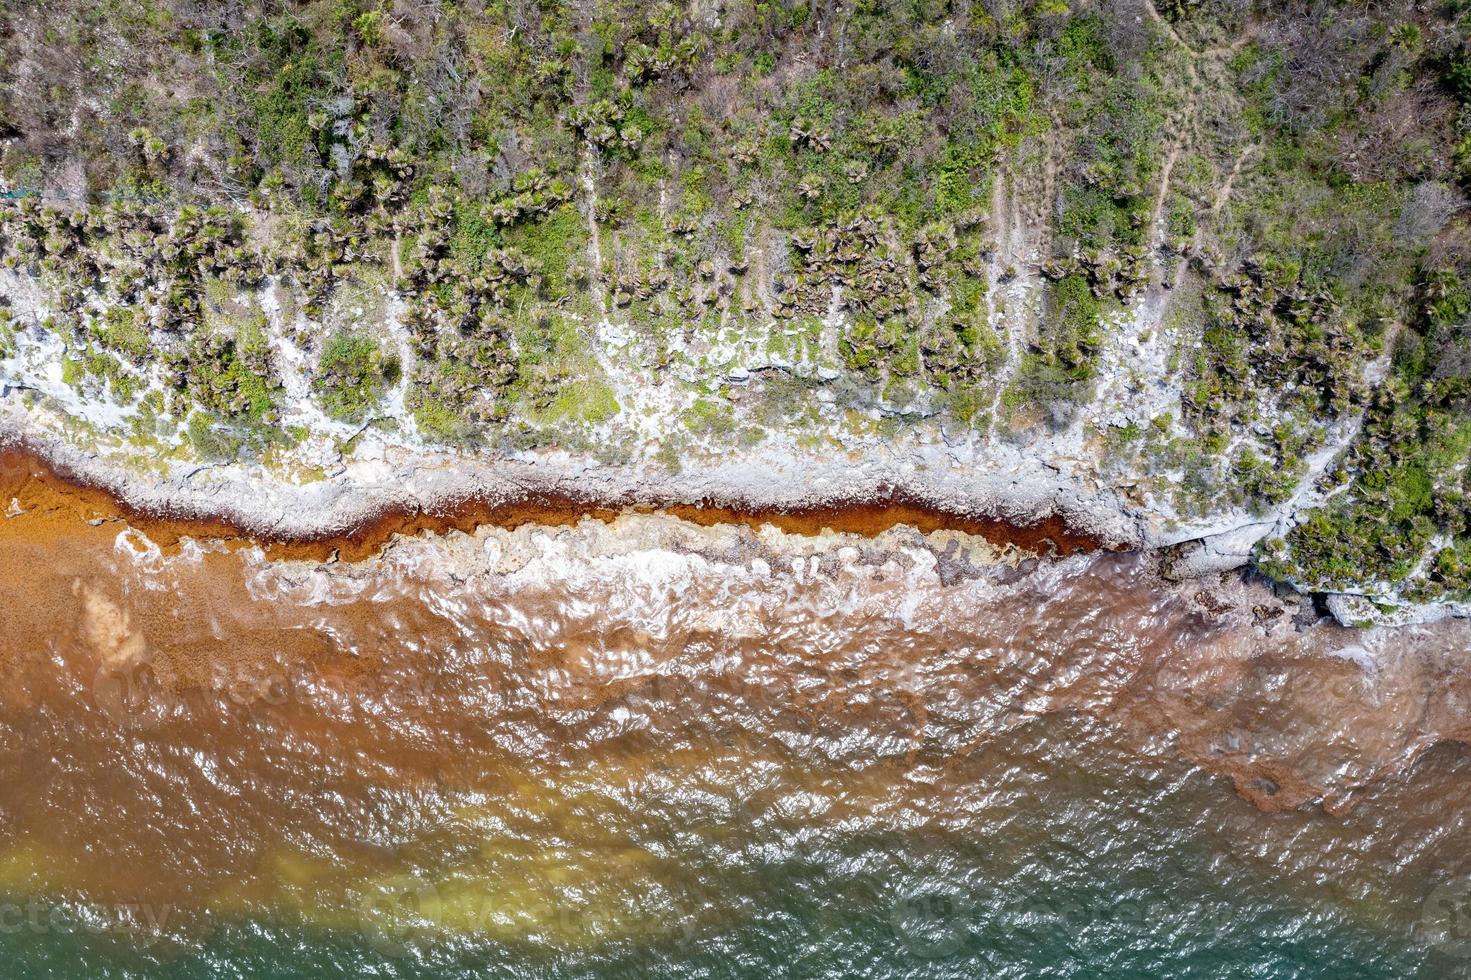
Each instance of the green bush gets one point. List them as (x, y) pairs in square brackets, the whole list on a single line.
[(353, 374)]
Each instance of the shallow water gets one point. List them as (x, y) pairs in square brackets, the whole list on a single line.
[(650, 748)]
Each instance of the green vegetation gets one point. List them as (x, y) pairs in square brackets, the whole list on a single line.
[(1057, 373), (122, 332), (1400, 517), (710, 417), (959, 208), (590, 401), (353, 375)]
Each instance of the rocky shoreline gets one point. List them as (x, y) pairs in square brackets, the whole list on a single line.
[(386, 489), (409, 487)]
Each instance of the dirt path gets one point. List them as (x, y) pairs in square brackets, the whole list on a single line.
[(1218, 204), (1174, 35), (594, 246)]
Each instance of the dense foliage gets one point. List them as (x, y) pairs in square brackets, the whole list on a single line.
[(1287, 176)]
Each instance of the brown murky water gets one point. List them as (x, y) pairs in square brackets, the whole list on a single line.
[(644, 746)]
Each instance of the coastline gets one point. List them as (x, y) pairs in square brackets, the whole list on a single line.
[(354, 520), (386, 488), (1249, 682)]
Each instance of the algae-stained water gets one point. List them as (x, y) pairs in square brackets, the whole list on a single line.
[(651, 749)]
